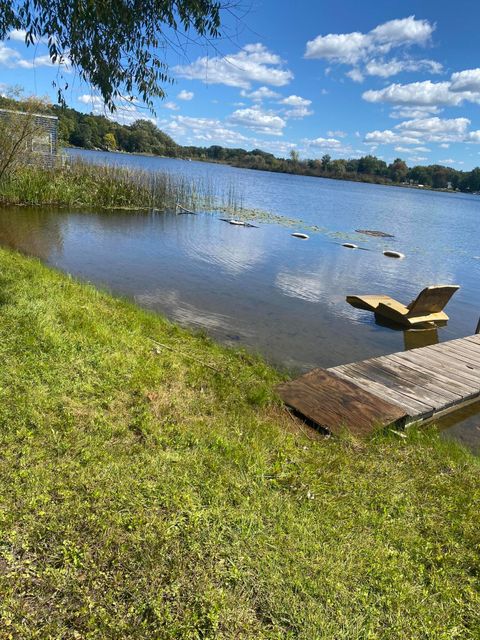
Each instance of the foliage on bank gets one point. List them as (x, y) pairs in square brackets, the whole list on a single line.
[(152, 487), (90, 131)]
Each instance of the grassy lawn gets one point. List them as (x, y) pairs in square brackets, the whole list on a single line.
[(146, 495)]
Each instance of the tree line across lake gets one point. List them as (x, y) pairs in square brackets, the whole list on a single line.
[(89, 131)]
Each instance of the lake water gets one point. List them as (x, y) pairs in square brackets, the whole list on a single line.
[(261, 288)]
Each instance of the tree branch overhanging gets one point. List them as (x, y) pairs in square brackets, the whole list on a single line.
[(112, 44)]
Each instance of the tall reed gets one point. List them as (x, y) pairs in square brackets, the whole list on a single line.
[(85, 185)]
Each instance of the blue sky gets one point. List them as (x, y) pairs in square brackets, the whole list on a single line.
[(346, 78)]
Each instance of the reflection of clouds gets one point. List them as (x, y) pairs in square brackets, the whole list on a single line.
[(200, 237), (186, 313), (330, 279), (305, 286), (233, 249), (414, 270)]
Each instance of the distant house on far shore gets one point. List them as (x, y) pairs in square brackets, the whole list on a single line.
[(42, 138)]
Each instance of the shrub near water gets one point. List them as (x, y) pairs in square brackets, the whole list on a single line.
[(102, 186), (156, 490)]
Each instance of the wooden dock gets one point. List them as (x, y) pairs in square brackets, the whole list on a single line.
[(398, 389)]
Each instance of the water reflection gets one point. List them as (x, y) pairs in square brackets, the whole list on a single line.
[(274, 294), (463, 426), (190, 315), (231, 248), (306, 286), (34, 231), (281, 297), (415, 338)]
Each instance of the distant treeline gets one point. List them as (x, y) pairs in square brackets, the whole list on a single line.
[(366, 169), (98, 132)]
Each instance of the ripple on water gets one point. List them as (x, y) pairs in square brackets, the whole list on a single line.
[(233, 250)]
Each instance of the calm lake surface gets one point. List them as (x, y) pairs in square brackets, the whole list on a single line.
[(260, 287)]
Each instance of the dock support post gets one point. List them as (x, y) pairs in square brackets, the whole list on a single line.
[(477, 330)]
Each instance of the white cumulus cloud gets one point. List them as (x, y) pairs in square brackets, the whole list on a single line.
[(414, 112), (207, 131), (435, 126), (389, 137), (356, 75), (332, 145), (420, 130), (299, 107), (463, 86), (296, 101), (12, 59), (173, 106), (262, 93), (346, 48), (18, 35), (416, 93), (91, 100), (127, 111), (387, 68), (405, 31), (412, 149), (366, 52), (298, 112), (8, 56), (254, 118), (337, 134), (467, 80), (254, 63), (325, 143), (185, 95)]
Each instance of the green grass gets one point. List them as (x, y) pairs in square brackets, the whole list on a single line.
[(145, 495)]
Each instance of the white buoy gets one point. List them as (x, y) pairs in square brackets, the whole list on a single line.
[(393, 254), (239, 223), (303, 236), (350, 245)]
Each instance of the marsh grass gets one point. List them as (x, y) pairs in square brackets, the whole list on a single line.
[(85, 185), (146, 495), (91, 187)]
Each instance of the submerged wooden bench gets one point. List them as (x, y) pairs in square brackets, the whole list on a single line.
[(400, 388)]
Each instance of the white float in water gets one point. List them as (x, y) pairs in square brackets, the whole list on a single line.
[(239, 223), (393, 254), (350, 245), (303, 236)]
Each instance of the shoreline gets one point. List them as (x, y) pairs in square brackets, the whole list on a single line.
[(153, 486), (306, 175)]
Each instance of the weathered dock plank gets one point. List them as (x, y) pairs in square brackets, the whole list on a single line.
[(417, 385), (335, 404), (431, 374), (361, 374)]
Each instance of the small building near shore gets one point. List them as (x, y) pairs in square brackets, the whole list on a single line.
[(41, 142)]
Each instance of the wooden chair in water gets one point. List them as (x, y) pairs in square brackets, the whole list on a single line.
[(427, 307)]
